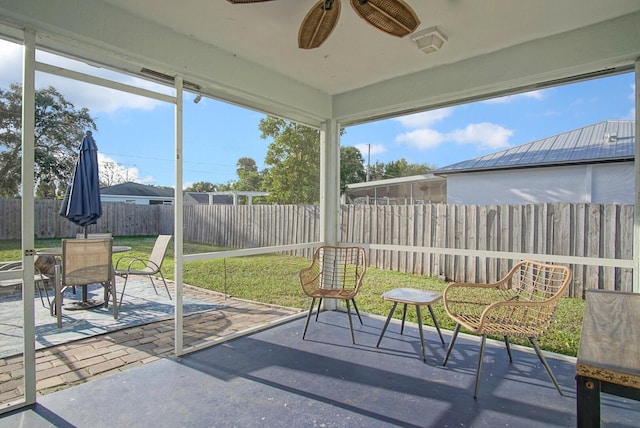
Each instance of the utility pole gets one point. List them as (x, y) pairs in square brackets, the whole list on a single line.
[(368, 162)]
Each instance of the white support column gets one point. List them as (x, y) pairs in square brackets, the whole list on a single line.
[(28, 244), (329, 189), (178, 236), (636, 211), (329, 182)]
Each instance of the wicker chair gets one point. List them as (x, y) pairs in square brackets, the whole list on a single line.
[(521, 304), (85, 261), (335, 273)]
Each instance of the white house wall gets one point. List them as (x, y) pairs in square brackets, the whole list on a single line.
[(600, 183), (613, 183)]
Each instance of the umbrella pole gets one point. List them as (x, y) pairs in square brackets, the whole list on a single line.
[(85, 232)]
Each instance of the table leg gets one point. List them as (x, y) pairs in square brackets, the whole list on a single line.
[(588, 402), (404, 315), (424, 358), (386, 324)]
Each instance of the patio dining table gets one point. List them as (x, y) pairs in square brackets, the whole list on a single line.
[(85, 303)]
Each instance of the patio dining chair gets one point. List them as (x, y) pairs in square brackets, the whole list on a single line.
[(84, 262), (334, 273), (127, 266), (521, 304), (41, 280)]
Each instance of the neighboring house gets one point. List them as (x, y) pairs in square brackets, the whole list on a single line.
[(136, 193), (593, 164), (141, 194)]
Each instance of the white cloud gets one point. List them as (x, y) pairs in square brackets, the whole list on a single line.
[(421, 139), (96, 98), (376, 149), (632, 94), (10, 60), (424, 119), (536, 95), (120, 172), (482, 135)]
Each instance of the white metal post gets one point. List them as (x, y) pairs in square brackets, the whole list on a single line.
[(329, 189), (329, 182), (28, 244), (178, 236), (636, 212)]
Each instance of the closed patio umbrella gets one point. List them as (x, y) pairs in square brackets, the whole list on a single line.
[(81, 203)]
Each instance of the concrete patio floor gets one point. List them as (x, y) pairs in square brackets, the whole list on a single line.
[(273, 378)]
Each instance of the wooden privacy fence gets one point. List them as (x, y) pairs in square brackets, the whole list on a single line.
[(561, 229), (118, 218)]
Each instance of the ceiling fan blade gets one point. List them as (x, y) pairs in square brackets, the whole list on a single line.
[(394, 17), (318, 24), (246, 1)]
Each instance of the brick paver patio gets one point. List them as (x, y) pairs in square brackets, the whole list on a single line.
[(69, 364)]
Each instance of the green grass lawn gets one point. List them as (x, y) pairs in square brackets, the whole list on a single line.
[(274, 279)]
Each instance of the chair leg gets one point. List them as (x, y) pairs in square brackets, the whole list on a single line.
[(154, 284), (114, 296), (357, 311), (506, 344), (126, 278), (58, 298), (453, 340), (165, 285), (313, 301), (544, 363), (386, 324), (318, 310), (353, 337), (480, 358)]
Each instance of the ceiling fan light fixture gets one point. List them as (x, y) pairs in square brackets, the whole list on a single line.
[(429, 40)]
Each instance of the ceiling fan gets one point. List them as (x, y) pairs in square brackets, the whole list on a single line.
[(394, 17)]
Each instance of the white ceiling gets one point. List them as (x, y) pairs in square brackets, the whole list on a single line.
[(247, 54), (356, 54)]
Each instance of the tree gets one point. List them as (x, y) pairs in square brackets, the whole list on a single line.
[(376, 171), (402, 168), (351, 167), (59, 128), (249, 179), (201, 186), (112, 173), (294, 160)]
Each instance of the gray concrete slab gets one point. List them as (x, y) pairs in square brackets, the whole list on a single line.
[(273, 378)]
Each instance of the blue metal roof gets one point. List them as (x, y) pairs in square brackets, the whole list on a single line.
[(612, 140)]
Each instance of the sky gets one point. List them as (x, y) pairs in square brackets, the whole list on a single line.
[(137, 133)]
